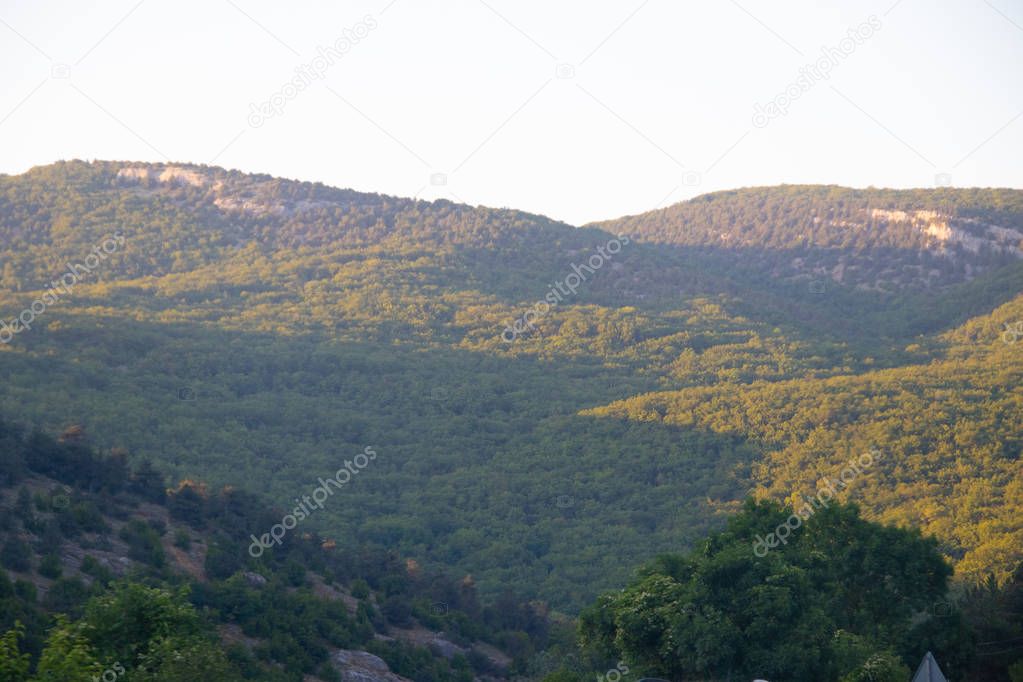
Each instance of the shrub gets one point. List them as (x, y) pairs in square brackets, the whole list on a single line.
[(50, 566), (182, 540), (143, 543), (16, 555), (360, 588)]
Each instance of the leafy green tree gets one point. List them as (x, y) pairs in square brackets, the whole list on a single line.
[(815, 607), (66, 595), (882, 667), (16, 555), (143, 543), (125, 623), (14, 665), (856, 654), (563, 676), (184, 660), (68, 656), (147, 482), (50, 566)]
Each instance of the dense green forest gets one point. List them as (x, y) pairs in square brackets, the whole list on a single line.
[(255, 332), (950, 432), (103, 568), (251, 331), (105, 573)]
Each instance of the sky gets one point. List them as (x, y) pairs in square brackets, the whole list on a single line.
[(577, 110)]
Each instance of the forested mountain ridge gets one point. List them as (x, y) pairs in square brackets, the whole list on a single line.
[(197, 215), (252, 330), (918, 238), (880, 240), (775, 250)]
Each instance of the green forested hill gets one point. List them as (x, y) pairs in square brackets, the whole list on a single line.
[(950, 435), (872, 239), (104, 573), (252, 330)]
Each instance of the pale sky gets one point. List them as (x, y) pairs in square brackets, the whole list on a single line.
[(577, 110)]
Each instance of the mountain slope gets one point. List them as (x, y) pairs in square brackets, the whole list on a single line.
[(251, 330), (874, 240), (79, 529), (946, 437)]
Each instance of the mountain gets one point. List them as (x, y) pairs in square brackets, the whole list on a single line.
[(936, 256), (104, 569), (552, 405), (946, 435), (871, 240)]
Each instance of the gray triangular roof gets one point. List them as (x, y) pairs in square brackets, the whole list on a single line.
[(929, 671)]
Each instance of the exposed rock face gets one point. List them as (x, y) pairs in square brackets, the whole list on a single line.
[(254, 579), (169, 175), (361, 666), (183, 176), (945, 231), (137, 173), (242, 200), (445, 648), (429, 639)]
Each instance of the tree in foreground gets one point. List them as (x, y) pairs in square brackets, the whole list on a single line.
[(149, 634), (833, 597)]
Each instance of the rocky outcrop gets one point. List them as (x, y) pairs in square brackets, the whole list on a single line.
[(169, 175), (945, 231), (361, 666), (247, 199)]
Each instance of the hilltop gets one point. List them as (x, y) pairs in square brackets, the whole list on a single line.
[(251, 330)]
